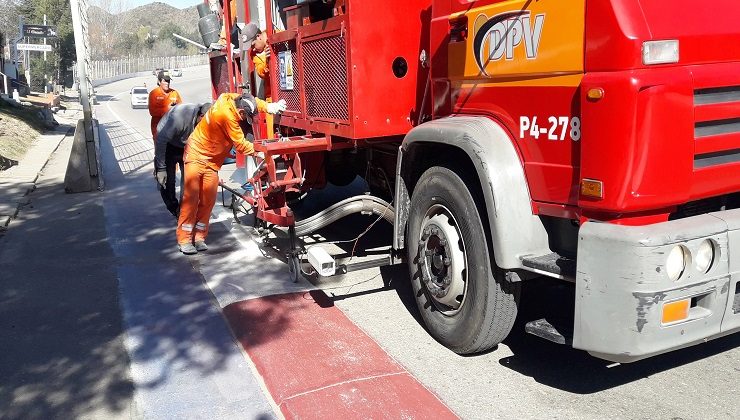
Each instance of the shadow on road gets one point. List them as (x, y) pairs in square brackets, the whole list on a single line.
[(60, 325), (576, 371)]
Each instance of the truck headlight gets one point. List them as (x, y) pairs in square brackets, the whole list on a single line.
[(705, 256), (675, 264), (660, 52)]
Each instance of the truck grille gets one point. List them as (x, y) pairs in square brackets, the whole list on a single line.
[(325, 78), (291, 96), (717, 126)]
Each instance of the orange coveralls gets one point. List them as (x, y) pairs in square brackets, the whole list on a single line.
[(159, 103), (263, 71), (207, 147), (232, 14)]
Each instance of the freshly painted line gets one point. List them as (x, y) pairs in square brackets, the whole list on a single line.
[(317, 363), (369, 378)]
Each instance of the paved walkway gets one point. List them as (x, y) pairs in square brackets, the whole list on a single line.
[(101, 317), (60, 324), (95, 323)]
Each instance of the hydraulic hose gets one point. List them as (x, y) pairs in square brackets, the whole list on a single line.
[(357, 204)]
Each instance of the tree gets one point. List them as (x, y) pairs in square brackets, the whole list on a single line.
[(9, 12), (58, 14), (166, 32), (106, 27)]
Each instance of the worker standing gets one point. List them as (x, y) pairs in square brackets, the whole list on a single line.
[(206, 149), (161, 99), (172, 135), (259, 50)]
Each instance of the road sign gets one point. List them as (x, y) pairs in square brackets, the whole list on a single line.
[(33, 47), (39, 31)]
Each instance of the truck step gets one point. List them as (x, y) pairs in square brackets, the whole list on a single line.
[(553, 263), (561, 333)]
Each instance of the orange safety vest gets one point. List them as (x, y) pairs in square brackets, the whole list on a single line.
[(160, 102), (263, 71), (217, 132)]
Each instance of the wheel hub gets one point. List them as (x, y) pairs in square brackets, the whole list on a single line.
[(442, 259)]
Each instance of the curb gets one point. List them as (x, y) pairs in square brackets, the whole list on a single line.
[(19, 181)]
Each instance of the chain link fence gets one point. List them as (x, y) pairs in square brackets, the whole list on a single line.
[(105, 69)]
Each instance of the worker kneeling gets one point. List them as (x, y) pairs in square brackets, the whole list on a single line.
[(173, 132), (206, 149)]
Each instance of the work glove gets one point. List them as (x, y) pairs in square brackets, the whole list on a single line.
[(161, 178), (277, 107)]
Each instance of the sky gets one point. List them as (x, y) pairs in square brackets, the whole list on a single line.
[(180, 4)]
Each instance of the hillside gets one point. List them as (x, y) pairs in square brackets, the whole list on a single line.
[(155, 15)]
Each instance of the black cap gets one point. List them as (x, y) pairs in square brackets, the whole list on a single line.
[(163, 75), (247, 103), (204, 108)]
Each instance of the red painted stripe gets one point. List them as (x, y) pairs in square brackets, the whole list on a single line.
[(317, 363)]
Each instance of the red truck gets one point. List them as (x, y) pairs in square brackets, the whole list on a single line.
[(590, 141)]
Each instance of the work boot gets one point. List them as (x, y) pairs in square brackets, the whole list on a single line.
[(187, 249), (201, 246)]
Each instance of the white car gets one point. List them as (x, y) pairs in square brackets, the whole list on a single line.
[(139, 97), (176, 73)]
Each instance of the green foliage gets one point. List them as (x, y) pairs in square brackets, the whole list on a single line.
[(143, 33), (166, 34), (58, 14), (42, 72)]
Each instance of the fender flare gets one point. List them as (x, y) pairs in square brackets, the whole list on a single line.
[(515, 231)]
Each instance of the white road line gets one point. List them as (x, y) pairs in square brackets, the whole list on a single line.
[(121, 120)]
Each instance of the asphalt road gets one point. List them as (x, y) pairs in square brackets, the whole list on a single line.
[(525, 377)]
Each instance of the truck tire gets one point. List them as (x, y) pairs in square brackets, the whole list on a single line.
[(464, 298)]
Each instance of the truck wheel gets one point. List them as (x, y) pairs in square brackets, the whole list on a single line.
[(464, 299)]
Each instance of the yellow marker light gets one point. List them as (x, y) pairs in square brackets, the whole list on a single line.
[(592, 188), (595, 94), (676, 311)]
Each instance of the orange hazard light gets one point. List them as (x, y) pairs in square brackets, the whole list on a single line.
[(595, 94), (592, 188), (676, 311)]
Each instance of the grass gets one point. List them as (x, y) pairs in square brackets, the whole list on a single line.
[(19, 128)]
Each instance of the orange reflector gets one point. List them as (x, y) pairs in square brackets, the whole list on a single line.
[(592, 188), (595, 93), (676, 311)]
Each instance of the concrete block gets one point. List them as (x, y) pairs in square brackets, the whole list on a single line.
[(83, 167)]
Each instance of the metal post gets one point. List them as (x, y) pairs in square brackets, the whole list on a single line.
[(44, 38)]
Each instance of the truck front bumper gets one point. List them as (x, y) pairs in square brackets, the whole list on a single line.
[(622, 286)]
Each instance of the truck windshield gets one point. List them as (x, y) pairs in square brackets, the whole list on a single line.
[(140, 91)]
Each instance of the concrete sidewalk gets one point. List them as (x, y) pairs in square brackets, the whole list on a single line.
[(60, 324), (100, 317), (18, 181)]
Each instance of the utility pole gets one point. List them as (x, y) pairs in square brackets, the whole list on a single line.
[(46, 76)]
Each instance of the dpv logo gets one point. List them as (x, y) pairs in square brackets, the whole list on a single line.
[(500, 35)]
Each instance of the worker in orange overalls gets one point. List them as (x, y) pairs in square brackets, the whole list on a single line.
[(259, 50), (207, 147), (161, 99), (234, 30)]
